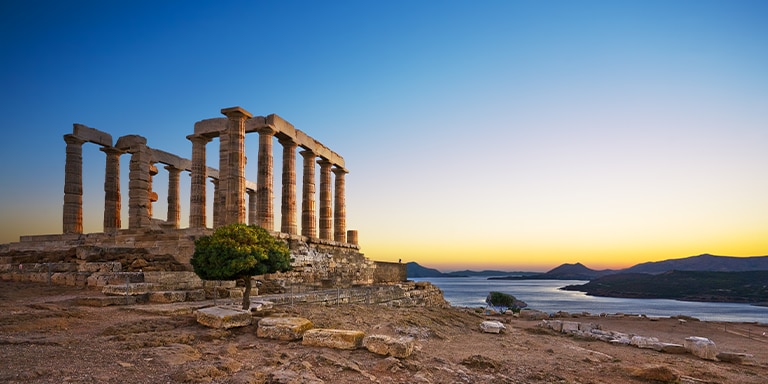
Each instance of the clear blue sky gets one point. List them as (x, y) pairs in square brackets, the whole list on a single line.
[(515, 134)]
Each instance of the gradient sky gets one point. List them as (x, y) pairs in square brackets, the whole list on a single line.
[(495, 134)]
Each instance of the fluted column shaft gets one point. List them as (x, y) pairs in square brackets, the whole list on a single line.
[(112, 199), (216, 203), (308, 216), (326, 218), (139, 188), (197, 196), (251, 206), (73, 185), (174, 203), (265, 214), (339, 207), (288, 200), (232, 174)]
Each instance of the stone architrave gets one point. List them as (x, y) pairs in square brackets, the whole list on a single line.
[(264, 180), (73, 185), (308, 216), (339, 207), (232, 173), (288, 202), (112, 199), (326, 217), (174, 203), (197, 198)]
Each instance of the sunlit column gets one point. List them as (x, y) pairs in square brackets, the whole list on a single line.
[(251, 206), (112, 199), (73, 185), (216, 203), (197, 198), (288, 203), (339, 207), (326, 218), (264, 180), (233, 178), (308, 215), (152, 194), (174, 203), (139, 187)]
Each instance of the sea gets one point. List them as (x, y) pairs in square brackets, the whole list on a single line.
[(545, 295)]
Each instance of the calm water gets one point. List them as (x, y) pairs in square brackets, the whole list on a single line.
[(544, 295)]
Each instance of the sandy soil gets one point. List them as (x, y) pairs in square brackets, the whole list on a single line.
[(46, 338)]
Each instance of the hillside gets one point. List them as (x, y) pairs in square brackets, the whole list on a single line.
[(703, 262), (734, 287)]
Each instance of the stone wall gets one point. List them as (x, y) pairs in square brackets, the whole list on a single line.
[(386, 272)]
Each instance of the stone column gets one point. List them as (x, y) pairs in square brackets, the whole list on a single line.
[(251, 206), (112, 200), (308, 216), (73, 185), (197, 198), (265, 215), (288, 203), (174, 203), (152, 195), (352, 236), (339, 207), (216, 204), (326, 218), (139, 184), (232, 174)]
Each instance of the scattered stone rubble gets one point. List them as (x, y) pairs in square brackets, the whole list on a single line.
[(700, 347), (299, 328)]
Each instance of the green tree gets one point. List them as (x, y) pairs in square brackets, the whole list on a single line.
[(239, 251), (503, 301)]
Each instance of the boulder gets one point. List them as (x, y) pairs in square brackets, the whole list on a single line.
[(646, 342), (333, 338), (283, 328), (737, 358), (677, 349), (492, 327), (218, 317), (400, 347), (701, 347), (570, 327)]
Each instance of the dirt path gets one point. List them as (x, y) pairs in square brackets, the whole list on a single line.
[(45, 338)]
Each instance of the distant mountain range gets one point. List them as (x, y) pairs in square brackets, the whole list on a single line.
[(579, 271)]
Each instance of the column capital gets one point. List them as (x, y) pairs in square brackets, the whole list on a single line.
[(236, 113), (266, 130), (111, 151), (72, 139), (307, 153), (204, 139), (324, 162), (287, 142), (339, 170), (172, 168)]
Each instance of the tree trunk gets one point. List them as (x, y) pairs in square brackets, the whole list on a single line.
[(247, 293)]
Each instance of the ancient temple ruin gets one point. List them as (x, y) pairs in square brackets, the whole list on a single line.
[(325, 253)]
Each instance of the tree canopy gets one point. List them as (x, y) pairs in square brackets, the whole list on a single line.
[(504, 301), (239, 251)]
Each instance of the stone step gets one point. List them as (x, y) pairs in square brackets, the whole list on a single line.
[(176, 296)]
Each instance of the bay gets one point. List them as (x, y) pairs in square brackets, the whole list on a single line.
[(544, 295)]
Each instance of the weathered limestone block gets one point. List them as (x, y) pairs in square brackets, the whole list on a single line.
[(737, 358), (196, 295), (167, 296), (127, 289), (673, 348), (556, 325), (570, 327), (701, 347), (283, 328), (100, 267), (400, 347), (533, 314), (333, 338), (492, 327), (646, 342), (588, 327), (218, 317)]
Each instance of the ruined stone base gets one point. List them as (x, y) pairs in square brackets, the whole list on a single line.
[(283, 328), (386, 345), (333, 338), (218, 317)]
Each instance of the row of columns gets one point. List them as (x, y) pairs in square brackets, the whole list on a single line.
[(230, 191), (229, 188)]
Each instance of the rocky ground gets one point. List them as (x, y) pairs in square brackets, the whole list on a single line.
[(46, 338)]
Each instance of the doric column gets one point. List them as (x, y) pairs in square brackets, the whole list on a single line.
[(288, 203), (326, 218), (232, 174), (352, 236), (174, 203), (73, 185), (112, 189), (152, 194), (197, 198), (265, 215), (216, 204), (339, 207), (308, 216), (139, 184), (251, 206)]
